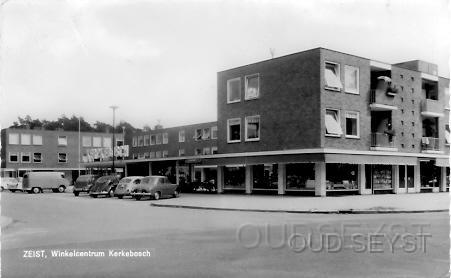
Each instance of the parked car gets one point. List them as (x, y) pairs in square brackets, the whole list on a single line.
[(156, 187), (36, 182), (104, 186), (126, 186), (84, 183), (11, 184)]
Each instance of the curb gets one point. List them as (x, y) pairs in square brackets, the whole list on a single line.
[(348, 211)]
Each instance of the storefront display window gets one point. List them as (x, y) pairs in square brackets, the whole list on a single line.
[(265, 176), (382, 177), (234, 177), (341, 176), (430, 174), (300, 176)]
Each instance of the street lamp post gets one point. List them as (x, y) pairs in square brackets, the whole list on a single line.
[(114, 107)]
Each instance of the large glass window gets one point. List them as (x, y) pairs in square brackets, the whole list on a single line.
[(37, 157), (234, 130), (165, 138), (25, 139), (206, 133), (62, 157), (341, 176), (253, 128), (62, 140), (214, 132), (146, 140), (332, 122), (382, 177), (159, 139), (13, 138), (86, 141), (234, 90), (25, 157), (352, 124), (234, 177), (198, 134), (107, 142), (265, 176), (252, 86), (351, 79), (140, 141), (182, 136), (97, 141), (430, 174), (332, 76), (37, 139), (135, 142), (300, 176), (13, 157), (153, 140)]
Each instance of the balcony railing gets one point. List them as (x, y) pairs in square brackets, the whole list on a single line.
[(382, 140), (430, 144), (432, 108), (381, 101)]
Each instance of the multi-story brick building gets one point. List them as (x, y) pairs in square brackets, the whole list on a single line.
[(319, 122), (26, 150)]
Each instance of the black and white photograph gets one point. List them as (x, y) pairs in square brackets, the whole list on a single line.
[(213, 138)]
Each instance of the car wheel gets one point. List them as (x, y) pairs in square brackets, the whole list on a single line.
[(61, 188), (137, 197), (36, 190), (120, 196), (176, 194), (111, 193), (76, 193), (157, 196)]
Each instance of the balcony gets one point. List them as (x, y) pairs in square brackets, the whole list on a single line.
[(382, 101), (383, 142), (432, 108), (430, 145)]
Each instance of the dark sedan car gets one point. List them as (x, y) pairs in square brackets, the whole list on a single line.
[(156, 187), (104, 186), (84, 183)]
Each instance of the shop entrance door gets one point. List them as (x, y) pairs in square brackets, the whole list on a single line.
[(410, 179), (402, 179)]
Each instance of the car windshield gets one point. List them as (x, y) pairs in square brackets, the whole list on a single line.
[(84, 178), (150, 180), (104, 179), (125, 180)]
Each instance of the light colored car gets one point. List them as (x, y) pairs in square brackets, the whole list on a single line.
[(156, 187), (11, 184), (36, 182), (126, 186)]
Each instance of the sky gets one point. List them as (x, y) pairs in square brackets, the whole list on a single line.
[(158, 60)]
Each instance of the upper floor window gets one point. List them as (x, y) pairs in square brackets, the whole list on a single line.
[(214, 150), (214, 132), (146, 140), (198, 134), (13, 157), (233, 130), (447, 134), (37, 157), (206, 151), (62, 157), (134, 141), (158, 154), (25, 157), (352, 124), (165, 138), (332, 76), (252, 128), (153, 139), (62, 140), (447, 97), (97, 141), (233, 90), (13, 138), (37, 139), (86, 141), (181, 136), (25, 139), (351, 79), (107, 142), (197, 151), (159, 139), (152, 154), (332, 121), (181, 152), (140, 141), (252, 86), (206, 133), (165, 153)]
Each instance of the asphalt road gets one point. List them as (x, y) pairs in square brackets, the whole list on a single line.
[(203, 243)]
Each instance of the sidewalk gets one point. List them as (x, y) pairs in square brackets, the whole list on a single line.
[(384, 203)]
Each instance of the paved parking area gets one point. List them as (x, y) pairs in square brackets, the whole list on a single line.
[(208, 243)]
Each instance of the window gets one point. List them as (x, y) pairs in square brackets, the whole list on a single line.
[(214, 132), (152, 154), (181, 152), (37, 157), (62, 140), (153, 140), (140, 141), (447, 133), (206, 133), (234, 90), (141, 156), (351, 79), (197, 151), (352, 124), (333, 126), (146, 140), (97, 141), (233, 130), (165, 138), (214, 150), (206, 151), (332, 76), (181, 136), (165, 153), (146, 155), (25, 139), (86, 141), (62, 158), (37, 139), (447, 98), (25, 157), (119, 142), (107, 142), (13, 157), (252, 86), (158, 154), (253, 128), (197, 134), (13, 139), (159, 137), (134, 142), (135, 156)]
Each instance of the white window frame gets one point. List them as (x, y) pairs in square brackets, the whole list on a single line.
[(206, 151), (14, 135), (134, 141), (154, 142), (158, 142), (37, 161), (22, 139), (36, 141), (106, 139), (158, 154), (15, 154), (352, 90), (358, 124), (339, 123), (165, 138), (165, 153), (151, 155), (140, 141), (99, 139), (58, 157), (146, 143), (181, 136), (83, 141), (246, 131), (214, 149), (58, 139), (214, 128), (197, 151), (228, 90), (206, 133), (228, 130), (181, 152), (196, 137), (338, 89), (246, 96)]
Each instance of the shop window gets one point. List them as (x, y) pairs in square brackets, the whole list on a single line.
[(86, 141), (214, 132), (352, 124), (206, 133), (332, 121), (146, 140), (159, 138), (158, 154), (37, 139), (214, 150), (37, 157), (25, 157), (181, 152), (234, 90), (107, 142), (25, 139), (13, 157), (181, 136), (265, 176), (62, 140), (233, 130), (332, 76), (252, 128), (13, 138), (341, 177), (252, 86), (197, 134), (234, 177), (153, 140), (430, 174), (62, 157), (300, 176), (165, 153), (382, 177), (351, 79), (97, 141), (134, 141), (206, 151)]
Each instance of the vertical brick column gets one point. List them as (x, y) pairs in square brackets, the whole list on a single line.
[(281, 178), (320, 179), (220, 179), (248, 179)]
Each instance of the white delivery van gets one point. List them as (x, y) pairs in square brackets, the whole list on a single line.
[(36, 182)]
